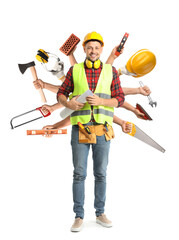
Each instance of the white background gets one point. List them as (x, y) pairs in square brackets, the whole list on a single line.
[(36, 172)]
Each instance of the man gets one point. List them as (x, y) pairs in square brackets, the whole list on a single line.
[(103, 81)]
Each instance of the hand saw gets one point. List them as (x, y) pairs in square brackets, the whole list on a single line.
[(138, 133), (46, 131), (39, 109)]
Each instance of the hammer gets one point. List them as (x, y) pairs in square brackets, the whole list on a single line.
[(23, 68)]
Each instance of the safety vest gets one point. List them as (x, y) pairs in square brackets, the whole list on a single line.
[(103, 90)]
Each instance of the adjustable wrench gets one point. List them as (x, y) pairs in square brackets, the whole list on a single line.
[(151, 102)]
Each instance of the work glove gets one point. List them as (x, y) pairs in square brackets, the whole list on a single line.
[(58, 69), (123, 70)]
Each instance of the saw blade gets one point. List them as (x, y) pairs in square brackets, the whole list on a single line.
[(139, 134)]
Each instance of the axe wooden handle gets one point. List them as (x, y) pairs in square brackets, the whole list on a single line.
[(34, 75)]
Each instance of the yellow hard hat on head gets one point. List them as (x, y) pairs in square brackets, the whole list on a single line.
[(93, 36), (141, 63)]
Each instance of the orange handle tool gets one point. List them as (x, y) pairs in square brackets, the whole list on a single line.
[(83, 130), (45, 115), (121, 45), (46, 131)]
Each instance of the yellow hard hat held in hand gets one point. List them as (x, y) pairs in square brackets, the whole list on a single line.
[(139, 64)]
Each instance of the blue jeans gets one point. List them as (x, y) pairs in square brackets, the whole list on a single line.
[(80, 151)]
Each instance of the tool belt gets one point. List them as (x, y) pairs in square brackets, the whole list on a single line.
[(96, 130)]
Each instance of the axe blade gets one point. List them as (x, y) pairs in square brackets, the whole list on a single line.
[(23, 67)]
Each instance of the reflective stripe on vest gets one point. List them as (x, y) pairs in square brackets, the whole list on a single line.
[(103, 90)]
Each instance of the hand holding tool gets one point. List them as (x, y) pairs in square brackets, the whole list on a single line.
[(82, 99), (151, 102), (138, 133), (47, 59), (121, 45), (39, 108), (69, 44), (146, 115), (47, 131), (23, 68), (139, 64)]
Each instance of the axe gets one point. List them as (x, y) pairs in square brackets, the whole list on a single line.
[(23, 68)]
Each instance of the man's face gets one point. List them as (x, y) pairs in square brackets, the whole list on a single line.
[(93, 50)]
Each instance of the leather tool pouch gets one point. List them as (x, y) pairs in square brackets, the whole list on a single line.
[(96, 130)]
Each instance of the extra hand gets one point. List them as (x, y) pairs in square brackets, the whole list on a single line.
[(114, 51), (144, 90), (48, 127), (126, 128), (139, 114), (47, 108), (113, 56), (74, 104), (38, 84), (94, 100)]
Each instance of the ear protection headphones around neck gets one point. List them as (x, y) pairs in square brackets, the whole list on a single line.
[(91, 64)]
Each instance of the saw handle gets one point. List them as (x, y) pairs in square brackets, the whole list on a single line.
[(133, 131), (45, 115), (34, 75)]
